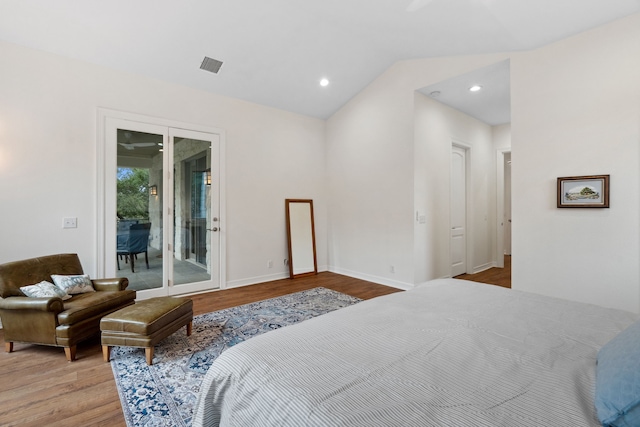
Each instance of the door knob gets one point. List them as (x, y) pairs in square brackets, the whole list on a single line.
[(213, 229)]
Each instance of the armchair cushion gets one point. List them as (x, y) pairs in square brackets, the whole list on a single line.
[(75, 284), (87, 305), (44, 289)]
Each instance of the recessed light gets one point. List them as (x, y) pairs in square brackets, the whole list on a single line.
[(324, 82), (475, 88)]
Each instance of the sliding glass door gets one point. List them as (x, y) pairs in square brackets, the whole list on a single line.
[(164, 187)]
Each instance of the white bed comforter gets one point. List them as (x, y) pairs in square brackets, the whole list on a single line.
[(451, 353)]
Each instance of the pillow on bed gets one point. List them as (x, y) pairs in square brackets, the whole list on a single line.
[(618, 379), (44, 289), (78, 284)]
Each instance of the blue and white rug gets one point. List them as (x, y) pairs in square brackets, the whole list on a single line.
[(165, 393)]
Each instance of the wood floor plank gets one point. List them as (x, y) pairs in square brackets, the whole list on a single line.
[(494, 276), (38, 387)]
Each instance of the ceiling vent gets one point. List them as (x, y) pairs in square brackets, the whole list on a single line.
[(210, 64)]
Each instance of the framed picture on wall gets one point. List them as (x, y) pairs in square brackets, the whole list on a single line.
[(583, 191)]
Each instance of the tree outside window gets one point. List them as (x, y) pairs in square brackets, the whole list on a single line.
[(133, 193)]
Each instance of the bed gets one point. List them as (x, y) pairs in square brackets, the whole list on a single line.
[(447, 353)]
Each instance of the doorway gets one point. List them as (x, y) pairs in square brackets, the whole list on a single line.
[(458, 209), (507, 204), (166, 180), (503, 208)]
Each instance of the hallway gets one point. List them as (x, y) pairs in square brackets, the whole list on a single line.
[(494, 276)]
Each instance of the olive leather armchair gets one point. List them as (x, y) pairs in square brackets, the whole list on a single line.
[(52, 321)]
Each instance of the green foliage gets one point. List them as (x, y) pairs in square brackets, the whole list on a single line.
[(586, 191), (133, 193)]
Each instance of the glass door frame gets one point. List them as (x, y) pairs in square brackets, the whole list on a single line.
[(169, 216), (106, 160)]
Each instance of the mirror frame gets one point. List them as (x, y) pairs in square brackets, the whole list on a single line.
[(288, 202)]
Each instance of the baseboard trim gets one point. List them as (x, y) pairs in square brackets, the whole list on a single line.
[(375, 279), (262, 279), (484, 267), (254, 280), (346, 272)]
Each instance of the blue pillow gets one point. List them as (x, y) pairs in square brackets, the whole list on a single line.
[(617, 398)]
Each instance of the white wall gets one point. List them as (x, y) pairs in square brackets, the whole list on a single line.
[(371, 184), (436, 127), (501, 135), (48, 110), (371, 175), (576, 111)]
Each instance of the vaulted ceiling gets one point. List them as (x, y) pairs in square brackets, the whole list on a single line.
[(275, 52)]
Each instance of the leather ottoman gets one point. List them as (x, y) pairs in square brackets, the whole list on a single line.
[(145, 323)]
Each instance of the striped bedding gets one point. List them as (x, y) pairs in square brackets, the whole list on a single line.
[(449, 353)]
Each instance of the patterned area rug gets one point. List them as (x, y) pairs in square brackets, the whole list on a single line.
[(165, 393)]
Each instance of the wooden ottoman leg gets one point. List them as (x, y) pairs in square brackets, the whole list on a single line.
[(189, 328), (148, 351), (106, 353), (8, 346)]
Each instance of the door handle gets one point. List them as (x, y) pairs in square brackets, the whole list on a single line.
[(215, 219)]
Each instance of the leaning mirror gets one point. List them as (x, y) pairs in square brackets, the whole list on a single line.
[(301, 237)]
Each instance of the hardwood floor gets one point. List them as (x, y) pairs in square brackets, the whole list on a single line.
[(38, 387), (494, 276)]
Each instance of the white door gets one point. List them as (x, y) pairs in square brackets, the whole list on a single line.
[(507, 204), (161, 216), (458, 211)]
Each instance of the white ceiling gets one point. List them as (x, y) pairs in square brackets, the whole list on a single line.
[(276, 51), (491, 104)]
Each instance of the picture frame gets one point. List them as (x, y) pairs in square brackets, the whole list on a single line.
[(590, 191)]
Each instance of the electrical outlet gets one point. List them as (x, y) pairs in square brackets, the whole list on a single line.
[(392, 269), (269, 264), (70, 223), (286, 261)]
